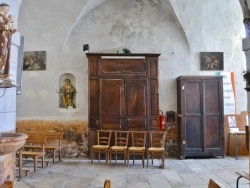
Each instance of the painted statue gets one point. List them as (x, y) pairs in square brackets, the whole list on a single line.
[(7, 28), (67, 91)]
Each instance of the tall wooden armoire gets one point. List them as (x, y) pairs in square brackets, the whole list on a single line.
[(200, 116), (123, 92)]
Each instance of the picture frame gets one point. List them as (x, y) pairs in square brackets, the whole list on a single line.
[(211, 61), (34, 60)]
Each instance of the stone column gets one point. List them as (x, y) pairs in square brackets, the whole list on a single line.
[(246, 47)]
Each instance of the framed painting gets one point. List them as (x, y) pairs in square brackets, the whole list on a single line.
[(34, 60), (211, 61)]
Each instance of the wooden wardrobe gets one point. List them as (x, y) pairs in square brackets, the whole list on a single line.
[(123, 92), (200, 116)]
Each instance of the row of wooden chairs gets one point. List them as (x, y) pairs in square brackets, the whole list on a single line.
[(136, 147)]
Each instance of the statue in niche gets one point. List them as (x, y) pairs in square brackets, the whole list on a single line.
[(7, 28), (67, 91), (246, 20)]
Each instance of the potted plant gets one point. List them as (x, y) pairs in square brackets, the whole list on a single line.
[(246, 77)]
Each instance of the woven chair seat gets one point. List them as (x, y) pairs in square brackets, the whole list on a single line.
[(118, 147), (136, 149), (100, 147), (156, 149)]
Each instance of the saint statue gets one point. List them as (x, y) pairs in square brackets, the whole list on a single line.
[(7, 28), (67, 91)]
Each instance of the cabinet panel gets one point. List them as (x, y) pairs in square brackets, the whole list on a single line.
[(136, 124), (154, 97), (136, 103), (112, 101), (112, 97), (153, 67), (212, 133), (94, 97), (112, 123), (136, 97), (193, 98), (212, 98), (93, 68), (123, 66), (193, 133)]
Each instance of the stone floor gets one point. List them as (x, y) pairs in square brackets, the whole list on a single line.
[(193, 173)]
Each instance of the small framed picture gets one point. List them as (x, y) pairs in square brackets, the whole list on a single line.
[(211, 61), (34, 61)]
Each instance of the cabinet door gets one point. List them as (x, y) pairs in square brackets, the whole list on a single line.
[(212, 107), (112, 109), (94, 104), (136, 104), (192, 143)]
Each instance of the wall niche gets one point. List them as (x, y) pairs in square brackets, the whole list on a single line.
[(67, 91)]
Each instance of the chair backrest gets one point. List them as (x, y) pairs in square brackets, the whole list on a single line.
[(121, 138), (103, 137), (232, 124), (157, 139), (138, 138), (213, 184), (107, 184)]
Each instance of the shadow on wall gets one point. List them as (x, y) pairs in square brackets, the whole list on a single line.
[(133, 30)]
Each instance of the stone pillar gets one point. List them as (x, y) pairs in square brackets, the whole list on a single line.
[(246, 48), (8, 102)]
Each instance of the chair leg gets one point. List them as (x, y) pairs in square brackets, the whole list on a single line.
[(147, 158), (43, 159), (59, 154), (35, 163), (163, 160), (106, 156), (125, 154), (54, 156), (92, 153), (143, 160), (128, 158), (110, 156)]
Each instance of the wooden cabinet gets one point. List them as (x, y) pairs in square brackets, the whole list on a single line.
[(123, 92), (200, 116)]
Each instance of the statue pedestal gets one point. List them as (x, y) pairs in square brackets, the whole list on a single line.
[(5, 82)]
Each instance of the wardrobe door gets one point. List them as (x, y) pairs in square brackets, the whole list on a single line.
[(212, 108), (112, 104), (136, 104), (192, 117)]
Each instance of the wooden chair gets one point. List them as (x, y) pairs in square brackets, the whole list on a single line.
[(53, 141), (103, 144), (138, 139), (213, 184), (107, 184), (121, 145), (8, 184), (157, 146), (38, 140)]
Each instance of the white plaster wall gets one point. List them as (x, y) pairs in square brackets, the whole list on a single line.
[(179, 30)]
